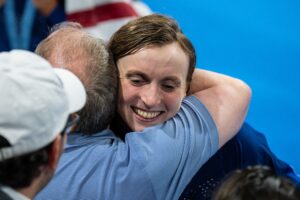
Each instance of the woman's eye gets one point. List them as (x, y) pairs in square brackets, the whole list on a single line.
[(136, 81), (168, 87)]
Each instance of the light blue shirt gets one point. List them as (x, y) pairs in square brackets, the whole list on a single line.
[(156, 163)]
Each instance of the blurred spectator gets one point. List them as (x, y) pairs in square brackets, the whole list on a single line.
[(24, 23), (257, 182), (36, 115)]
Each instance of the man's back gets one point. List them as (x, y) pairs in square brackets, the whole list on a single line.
[(154, 164), (93, 167)]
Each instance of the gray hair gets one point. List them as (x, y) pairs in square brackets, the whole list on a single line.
[(86, 56)]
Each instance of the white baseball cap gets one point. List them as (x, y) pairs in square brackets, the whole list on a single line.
[(36, 100)]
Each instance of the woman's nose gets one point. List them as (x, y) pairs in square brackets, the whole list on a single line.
[(151, 96)]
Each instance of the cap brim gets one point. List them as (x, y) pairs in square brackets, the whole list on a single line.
[(74, 89)]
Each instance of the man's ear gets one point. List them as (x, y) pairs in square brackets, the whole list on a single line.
[(55, 152)]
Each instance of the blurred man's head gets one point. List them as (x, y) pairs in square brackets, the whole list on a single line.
[(72, 48)]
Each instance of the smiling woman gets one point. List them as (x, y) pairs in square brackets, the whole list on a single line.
[(153, 84), (155, 70)]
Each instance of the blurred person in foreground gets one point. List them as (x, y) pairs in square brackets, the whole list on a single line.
[(257, 182), (37, 111)]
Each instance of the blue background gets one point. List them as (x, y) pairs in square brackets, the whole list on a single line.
[(257, 41)]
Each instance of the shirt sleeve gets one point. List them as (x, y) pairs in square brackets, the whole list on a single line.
[(171, 153)]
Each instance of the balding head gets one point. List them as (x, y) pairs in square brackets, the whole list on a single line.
[(72, 48), (66, 47)]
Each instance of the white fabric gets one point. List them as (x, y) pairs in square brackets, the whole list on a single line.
[(105, 29), (75, 5), (36, 101), (13, 193)]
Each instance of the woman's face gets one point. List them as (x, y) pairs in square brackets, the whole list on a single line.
[(152, 85)]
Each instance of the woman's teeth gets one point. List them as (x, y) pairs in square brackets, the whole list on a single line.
[(146, 114)]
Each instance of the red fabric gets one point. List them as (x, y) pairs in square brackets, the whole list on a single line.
[(102, 13)]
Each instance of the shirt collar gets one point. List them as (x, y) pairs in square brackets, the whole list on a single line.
[(13, 193)]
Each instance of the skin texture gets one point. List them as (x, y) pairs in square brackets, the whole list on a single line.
[(152, 85)]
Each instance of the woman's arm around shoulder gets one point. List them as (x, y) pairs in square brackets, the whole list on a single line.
[(226, 98)]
